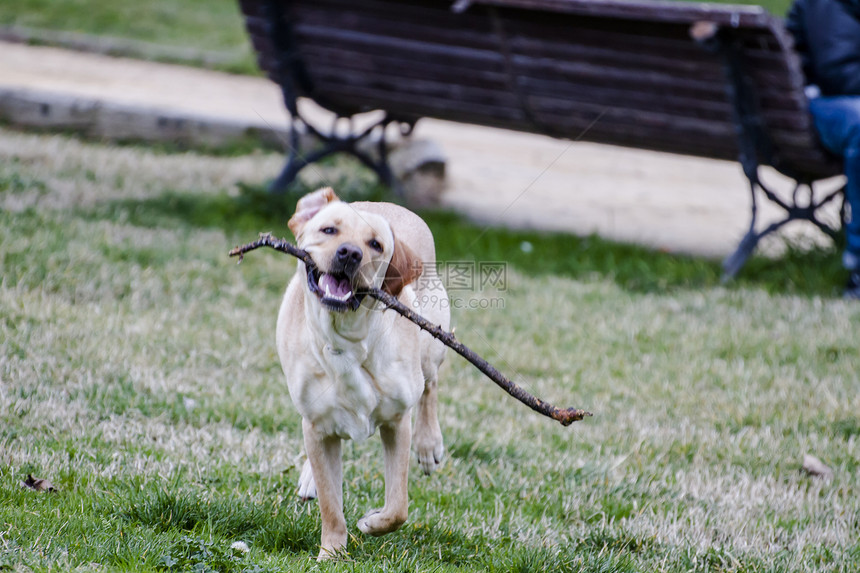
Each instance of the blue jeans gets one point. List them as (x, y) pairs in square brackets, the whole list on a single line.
[(837, 120)]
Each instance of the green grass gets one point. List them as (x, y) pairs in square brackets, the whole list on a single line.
[(777, 7), (209, 24), (212, 29), (812, 272), (138, 373)]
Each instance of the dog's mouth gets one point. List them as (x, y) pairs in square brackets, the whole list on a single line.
[(335, 290)]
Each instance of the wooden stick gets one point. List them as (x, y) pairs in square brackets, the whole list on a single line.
[(566, 416), (267, 240)]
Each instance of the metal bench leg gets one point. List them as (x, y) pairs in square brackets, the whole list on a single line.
[(794, 210), (295, 161), (279, 185), (333, 143), (734, 262)]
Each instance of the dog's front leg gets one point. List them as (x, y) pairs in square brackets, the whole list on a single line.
[(396, 439), (325, 459)]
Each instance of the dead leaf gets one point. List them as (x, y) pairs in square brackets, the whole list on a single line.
[(37, 484), (815, 467)]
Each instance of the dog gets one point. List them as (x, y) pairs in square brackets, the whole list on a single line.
[(350, 366)]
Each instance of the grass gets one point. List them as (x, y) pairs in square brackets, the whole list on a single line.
[(201, 32), (815, 271), (138, 373)]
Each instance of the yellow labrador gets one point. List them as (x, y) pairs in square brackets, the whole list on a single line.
[(351, 367)]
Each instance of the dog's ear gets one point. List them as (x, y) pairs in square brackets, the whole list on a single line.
[(404, 268), (308, 206)]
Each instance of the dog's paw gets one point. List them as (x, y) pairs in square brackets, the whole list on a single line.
[(431, 458), (307, 486), (379, 522), (430, 451), (333, 553)]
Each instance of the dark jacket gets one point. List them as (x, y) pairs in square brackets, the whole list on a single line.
[(827, 37)]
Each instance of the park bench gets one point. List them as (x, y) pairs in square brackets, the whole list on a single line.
[(707, 80)]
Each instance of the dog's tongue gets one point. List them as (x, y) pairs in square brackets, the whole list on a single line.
[(335, 287)]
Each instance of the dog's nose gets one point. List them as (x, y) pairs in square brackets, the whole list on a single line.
[(348, 257)]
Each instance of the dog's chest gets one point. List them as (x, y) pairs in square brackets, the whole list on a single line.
[(360, 390)]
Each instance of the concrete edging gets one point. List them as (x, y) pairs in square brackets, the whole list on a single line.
[(38, 109)]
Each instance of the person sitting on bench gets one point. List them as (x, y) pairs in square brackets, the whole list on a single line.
[(827, 38)]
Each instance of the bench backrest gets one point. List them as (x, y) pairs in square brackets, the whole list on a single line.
[(608, 71)]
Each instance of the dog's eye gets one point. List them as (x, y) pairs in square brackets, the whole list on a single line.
[(329, 230), (375, 245)]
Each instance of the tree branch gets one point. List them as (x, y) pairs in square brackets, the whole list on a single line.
[(565, 416), (267, 240)]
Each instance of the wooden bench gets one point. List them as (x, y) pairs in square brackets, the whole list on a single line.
[(708, 80)]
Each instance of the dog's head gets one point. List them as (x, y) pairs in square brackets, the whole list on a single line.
[(353, 251)]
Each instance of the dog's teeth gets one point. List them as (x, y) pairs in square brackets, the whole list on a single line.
[(343, 298), (328, 293), (320, 282)]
